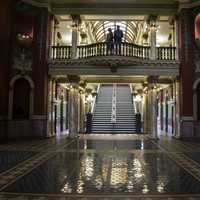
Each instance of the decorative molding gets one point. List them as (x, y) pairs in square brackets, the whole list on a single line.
[(185, 4), (112, 61), (38, 4), (196, 83), (39, 117), (187, 118)]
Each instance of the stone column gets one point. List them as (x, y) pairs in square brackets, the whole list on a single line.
[(73, 106), (152, 110), (145, 112), (153, 27), (153, 43), (177, 108), (82, 112), (75, 23), (51, 104)]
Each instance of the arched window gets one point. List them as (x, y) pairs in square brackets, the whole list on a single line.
[(198, 102), (21, 99)]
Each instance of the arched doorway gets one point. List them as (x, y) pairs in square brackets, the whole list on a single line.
[(21, 99), (198, 101)]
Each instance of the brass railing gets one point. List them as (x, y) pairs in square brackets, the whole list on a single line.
[(102, 49)]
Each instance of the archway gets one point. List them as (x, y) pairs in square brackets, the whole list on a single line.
[(197, 27), (198, 101), (21, 97)]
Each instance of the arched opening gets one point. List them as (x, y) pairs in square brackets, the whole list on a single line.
[(21, 99), (197, 27), (198, 102)]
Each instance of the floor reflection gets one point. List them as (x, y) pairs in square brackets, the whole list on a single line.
[(117, 144), (107, 173), (9, 159)]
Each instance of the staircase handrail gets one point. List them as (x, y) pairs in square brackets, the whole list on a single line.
[(95, 99), (114, 106)]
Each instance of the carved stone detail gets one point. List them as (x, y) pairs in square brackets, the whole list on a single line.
[(112, 62)]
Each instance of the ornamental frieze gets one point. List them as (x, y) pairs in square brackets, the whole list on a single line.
[(116, 61)]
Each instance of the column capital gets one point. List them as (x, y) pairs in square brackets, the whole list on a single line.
[(76, 20), (73, 79), (152, 79)]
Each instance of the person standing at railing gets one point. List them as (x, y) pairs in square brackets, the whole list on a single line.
[(118, 35), (109, 42)]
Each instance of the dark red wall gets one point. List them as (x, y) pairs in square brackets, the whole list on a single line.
[(5, 44)]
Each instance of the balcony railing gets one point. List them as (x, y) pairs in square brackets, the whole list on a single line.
[(124, 49), (61, 52), (166, 53)]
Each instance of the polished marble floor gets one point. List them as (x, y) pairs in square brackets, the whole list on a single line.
[(100, 167)]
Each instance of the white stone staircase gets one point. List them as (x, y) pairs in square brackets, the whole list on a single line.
[(125, 121)]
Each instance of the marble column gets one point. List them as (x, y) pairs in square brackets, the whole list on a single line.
[(145, 112), (73, 110), (82, 112), (152, 112), (74, 42), (153, 43), (73, 106), (177, 108), (75, 23), (51, 104)]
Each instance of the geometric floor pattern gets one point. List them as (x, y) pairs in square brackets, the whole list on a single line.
[(100, 167)]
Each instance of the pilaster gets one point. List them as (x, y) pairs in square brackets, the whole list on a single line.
[(186, 41)]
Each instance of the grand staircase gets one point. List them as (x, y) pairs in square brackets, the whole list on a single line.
[(125, 114)]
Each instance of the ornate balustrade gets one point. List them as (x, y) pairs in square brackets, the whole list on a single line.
[(166, 53), (61, 52), (124, 49)]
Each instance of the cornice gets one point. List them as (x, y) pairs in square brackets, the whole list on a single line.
[(188, 5), (38, 4)]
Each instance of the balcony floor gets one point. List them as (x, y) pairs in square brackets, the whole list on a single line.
[(100, 167)]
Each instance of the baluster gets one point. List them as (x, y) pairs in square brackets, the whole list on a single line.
[(84, 52), (161, 53), (61, 52), (100, 49), (131, 49), (104, 49), (53, 52), (67, 53), (174, 55)]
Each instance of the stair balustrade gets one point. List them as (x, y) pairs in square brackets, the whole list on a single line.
[(95, 100), (114, 106)]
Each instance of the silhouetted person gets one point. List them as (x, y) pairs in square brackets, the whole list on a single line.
[(109, 42), (88, 122), (118, 35)]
